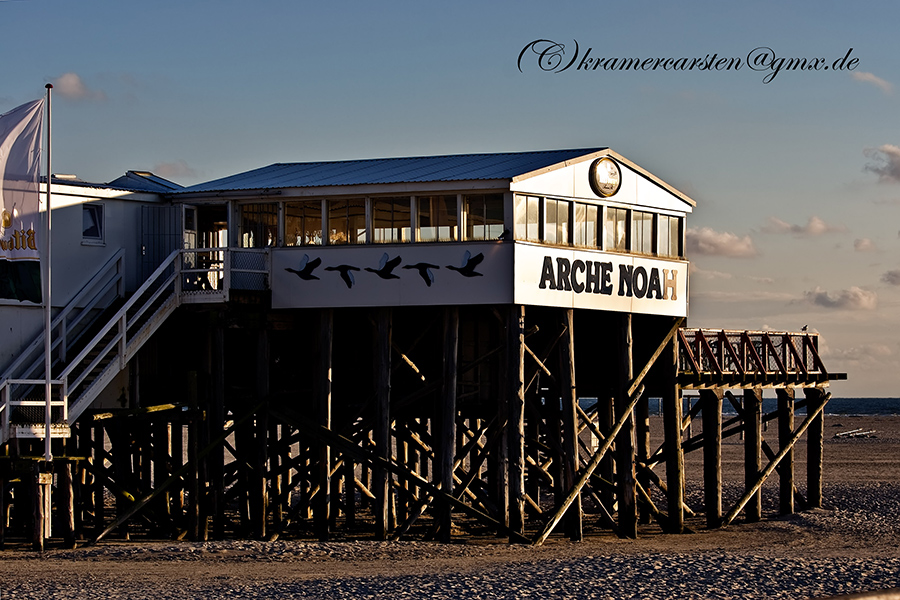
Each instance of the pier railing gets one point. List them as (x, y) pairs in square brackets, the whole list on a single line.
[(709, 357)]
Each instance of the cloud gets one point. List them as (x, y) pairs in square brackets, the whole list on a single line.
[(892, 277), (854, 298), (884, 86), (766, 280), (815, 226), (865, 245), (175, 170), (707, 241), (706, 274), (887, 165), (752, 296), (863, 353), (70, 86)]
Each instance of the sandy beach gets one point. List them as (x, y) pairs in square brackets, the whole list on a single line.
[(849, 546)]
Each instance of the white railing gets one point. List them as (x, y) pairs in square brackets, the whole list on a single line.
[(203, 275)]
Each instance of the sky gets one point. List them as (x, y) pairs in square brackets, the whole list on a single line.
[(796, 173)]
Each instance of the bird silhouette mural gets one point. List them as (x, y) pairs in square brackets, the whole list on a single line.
[(469, 264), (307, 266), (346, 272), (424, 270), (386, 267)]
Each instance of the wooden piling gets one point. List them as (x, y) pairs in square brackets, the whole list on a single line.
[(625, 455), (66, 502), (753, 451), (786, 467), (516, 419), (569, 422), (672, 433), (711, 411), (815, 398), (446, 436), (321, 454), (381, 479)]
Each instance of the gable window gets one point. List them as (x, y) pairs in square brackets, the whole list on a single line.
[(642, 232), (303, 223), (436, 218), (484, 216), (93, 226), (669, 236), (390, 220), (616, 229), (556, 221), (586, 224)]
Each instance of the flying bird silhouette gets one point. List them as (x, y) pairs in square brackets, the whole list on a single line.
[(306, 268), (425, 271), (468, 265), (346, 273), (386, 267)]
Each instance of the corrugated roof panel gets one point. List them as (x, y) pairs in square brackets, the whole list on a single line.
[(420, 169)]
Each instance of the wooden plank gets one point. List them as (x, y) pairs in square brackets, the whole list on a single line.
[(816, 399), (516, 419), (672, 438)]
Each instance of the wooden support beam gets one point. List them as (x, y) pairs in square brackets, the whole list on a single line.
[(672, 438), (711, 401), (381, 484), (99, 502), (812, 414), (516, 419), (626, 492), (786, 468), (569, 422), (588, 471), (321, 453), (753, 451), (816, 399), (446, 419), (66, 503), (216, 460), (642, 454)]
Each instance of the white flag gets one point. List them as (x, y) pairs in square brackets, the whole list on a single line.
[(21, 132)]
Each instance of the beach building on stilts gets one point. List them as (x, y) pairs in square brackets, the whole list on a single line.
[(422, 347)]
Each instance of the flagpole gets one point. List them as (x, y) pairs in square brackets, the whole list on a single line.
[(48, 363)]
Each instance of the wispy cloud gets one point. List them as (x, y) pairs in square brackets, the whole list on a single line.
[(709, 242), (175, 170), (865, 245), (815, 226), (854, 298), (891, 277), (71, 86), (887, 162), (885, 86)]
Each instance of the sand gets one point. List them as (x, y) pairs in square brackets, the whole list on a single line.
[(851, 545)]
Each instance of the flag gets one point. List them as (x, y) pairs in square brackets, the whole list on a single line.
[(21, 132)]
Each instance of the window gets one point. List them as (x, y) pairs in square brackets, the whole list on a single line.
[(390, 220), (484, 216), (259, 225), (642, 232), (347, 221), (616, 231), (436, 218), (92, 225), (303, 223), (556, 221), (586, 224), (669, 236), (528, 218)]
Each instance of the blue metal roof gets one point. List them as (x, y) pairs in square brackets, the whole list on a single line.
[(420, 169)]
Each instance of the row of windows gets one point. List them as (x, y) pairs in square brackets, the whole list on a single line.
[(380, 220), (437, 218), (554, 221)]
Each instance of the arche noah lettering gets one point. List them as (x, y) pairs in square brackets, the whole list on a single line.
[(596, 277)]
